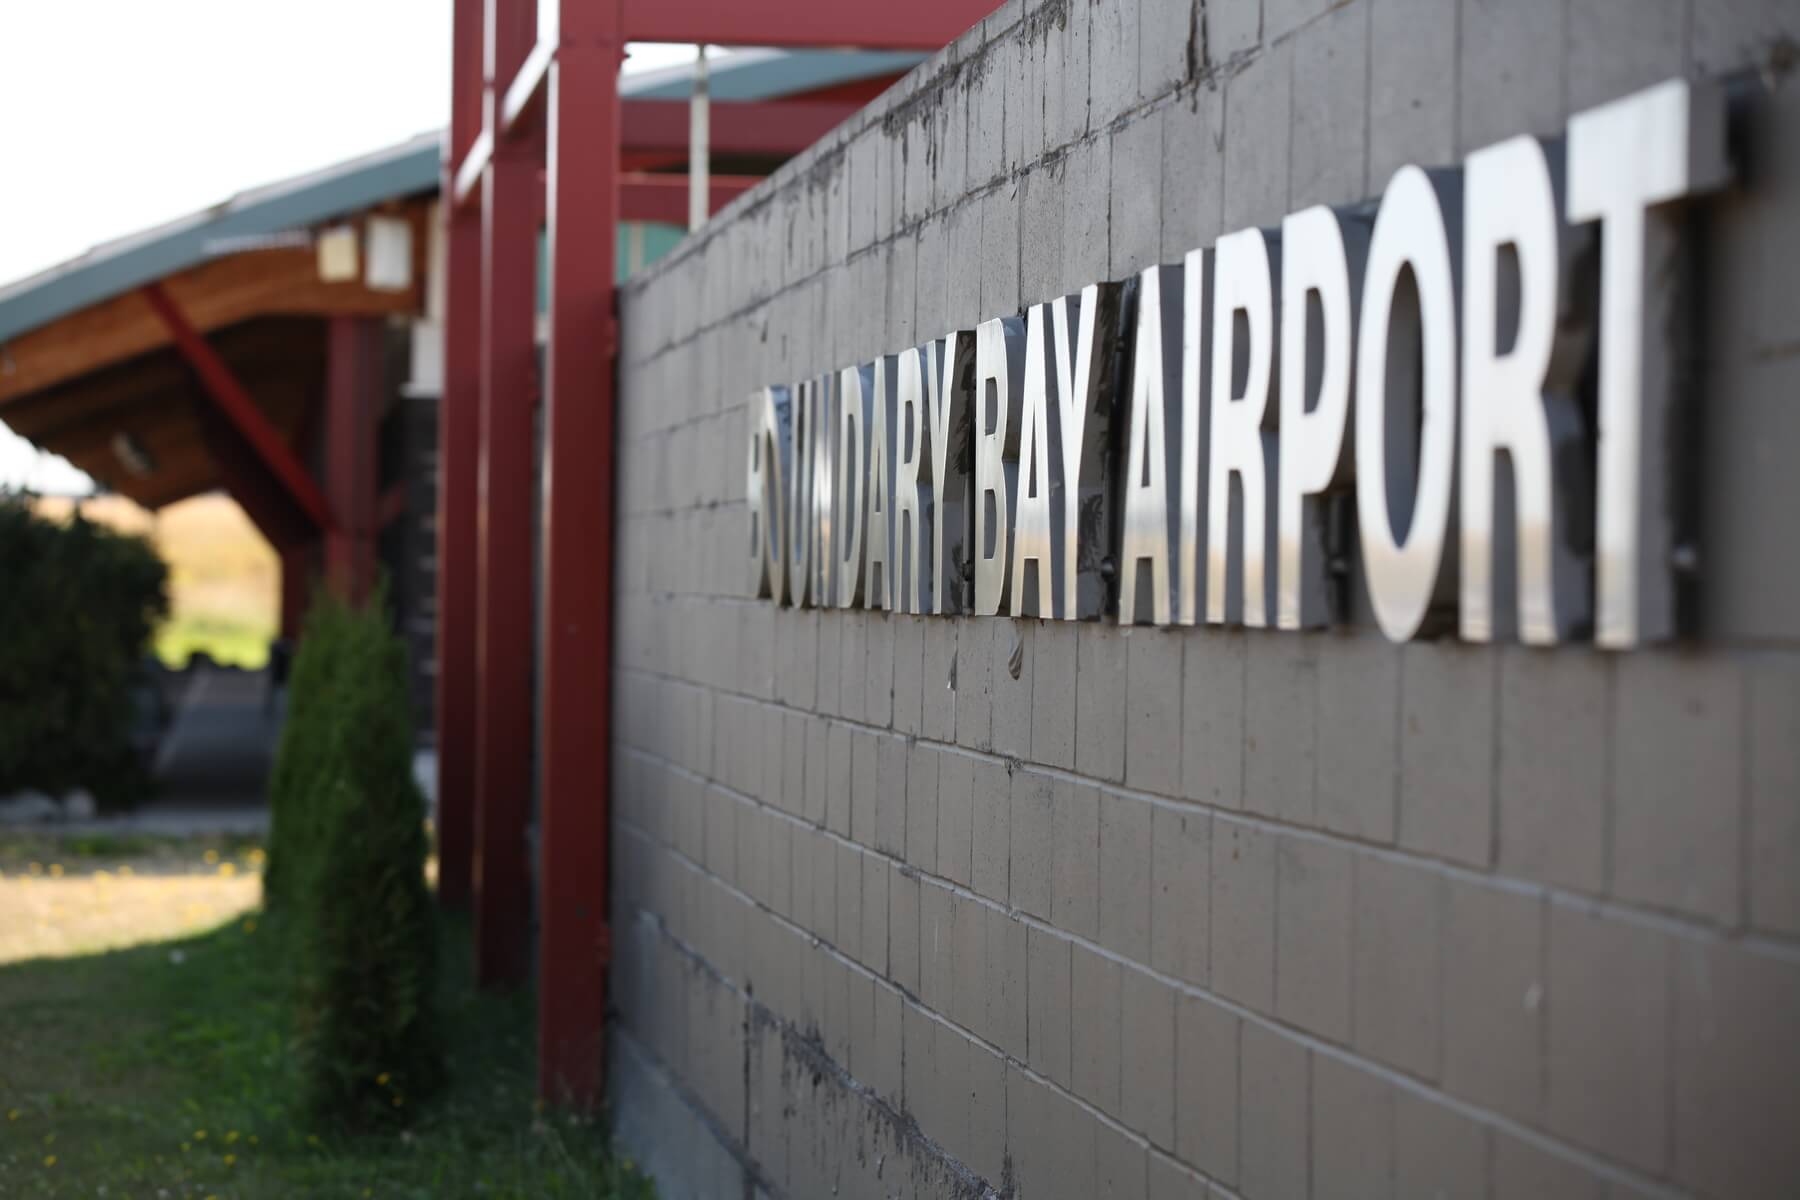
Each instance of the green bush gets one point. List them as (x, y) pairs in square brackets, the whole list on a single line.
[(78, 603), (348, 854)]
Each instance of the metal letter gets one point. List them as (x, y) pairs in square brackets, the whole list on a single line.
[(1152, 449), (950, 390), (999, 375), (1626, 160), (1403, 565), (1086, 378), (913, 506), (1196, 314), (824, 497), (1510, 403), (878, 584), (764, 495), (801, 428), (1040, 507), (852, 481), (1317, 251), (1241, 426)]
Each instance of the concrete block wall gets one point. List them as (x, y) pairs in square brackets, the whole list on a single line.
[(934, 907)]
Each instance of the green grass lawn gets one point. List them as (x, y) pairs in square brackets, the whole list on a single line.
[(167, 1070), (230, 643)]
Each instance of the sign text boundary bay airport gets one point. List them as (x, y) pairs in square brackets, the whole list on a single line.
[(1474, 386)]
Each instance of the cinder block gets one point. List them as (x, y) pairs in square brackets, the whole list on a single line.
[(1066, 74), (1610, 57), (918, 835), (1331, 68), (1358, 737), (1524, 1171), (890, 811), (1053, 694), (753, 863), (883, 1071), (1281, 694), (1094, 1023), (903, 928), (1024, 98), (721, 834), (1100, 701), (1553, 755), (1112, 65), (937, 931), (1510, 71), (1075, 836), (953, 809), (949, 156), (990, 829), (1168, 46), (1087, 183), (866, 794), (1233, 31), (1312, 936), (1774, 733), (793, 763), (1755, 568), (842, 761), (1243, 914), (849, 863), (986, 1137), (940, 680), (1737, 1071), (916, 154), (987, 75), (999, 247), (1206, 1087), (968, 963), (1012, 649), (1121, 1163), (878, 700), (853, 663), (874, 909), (919, 1061), (1005, 1022), (1032, 837), (822, 920), (1212, 717), (909, 667), (962, 228), (1677, 764), (1048, 1004), (974, 694), (831, 632), (931, 306), (1153, 712), (1169, 1180), (1352, 1132), (1041, 223), (1258, 128), (1147, 1057), (1493, 999), (1193, 180), (1608, 1066), (1181, 893), (902, 282), (1125, 854), (1446, 750), (1273, 1093), (1396, 960), (1726, 36), (1437, 1150), (1412, 74)]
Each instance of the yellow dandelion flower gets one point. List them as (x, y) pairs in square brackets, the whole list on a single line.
[(253, 1139), (56, 871), (12, 1114), (231, 1160), (381, 1079), (211, 856), (227, 870), (250, 925), (312, 1139), (50, 1161), (256, 857), (185, 1147), (199, 1135), (231, 1137)]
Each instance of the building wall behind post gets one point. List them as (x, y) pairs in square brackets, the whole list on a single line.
[(944, 907)]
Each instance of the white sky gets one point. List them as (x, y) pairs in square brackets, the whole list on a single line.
[(121, 114)]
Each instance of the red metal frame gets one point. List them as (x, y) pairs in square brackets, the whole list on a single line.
[(355, 380), (564, 85), (231, 401)]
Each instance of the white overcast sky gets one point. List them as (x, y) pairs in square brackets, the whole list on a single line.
[(121, 114)]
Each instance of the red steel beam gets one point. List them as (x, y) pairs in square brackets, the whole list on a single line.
[(459, 439), (575, 667), (917, 25), (355, 378), (503, 649), (231, 400), (764, 127)]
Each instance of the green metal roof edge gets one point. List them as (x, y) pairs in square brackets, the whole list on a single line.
[(113, 268)]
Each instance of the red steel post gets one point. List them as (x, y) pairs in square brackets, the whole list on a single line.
[(503, 700), (575, 668), (459, 436), (354, 381)]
